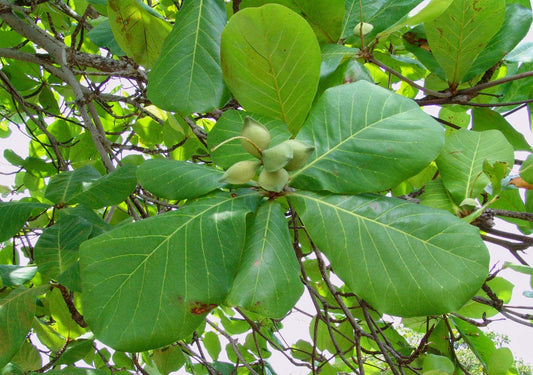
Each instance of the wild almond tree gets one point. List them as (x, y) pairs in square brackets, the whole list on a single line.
[(196, 168)]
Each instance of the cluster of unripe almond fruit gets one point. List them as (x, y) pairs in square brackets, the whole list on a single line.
[(277, 161)]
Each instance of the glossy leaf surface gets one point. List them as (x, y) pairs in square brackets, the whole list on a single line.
[(364, 137), (487, 119), (86, 186), (268, 280), (271, 62), (459, 34), (402, 258), (150, 283), (187, 77), (172, 179), (461, 161)]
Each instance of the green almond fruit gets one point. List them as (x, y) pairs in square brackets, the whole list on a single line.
[(256, 133), (240, 172), (273, 181), (277, 157), (301, 152)]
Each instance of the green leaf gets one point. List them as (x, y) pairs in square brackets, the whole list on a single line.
[(402, 258), (11, 275), (514, 29), (86, 186), (461, 160), (137, 31), (102, 36), (172, 179), (271, 62), (268, 279), (477, 341), (13, 216), (212, 344), (324, 17), (381, 14), (487, 119), (16, 316), (57, 248), (501, 362), (230, 125), (364, 137), (150, 283), (439, 363), (187, 77), (168, 359), (27, 358), (431, 11), (526, 169), (459, 34)]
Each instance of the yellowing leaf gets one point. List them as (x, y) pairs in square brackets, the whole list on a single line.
[(137, 31)]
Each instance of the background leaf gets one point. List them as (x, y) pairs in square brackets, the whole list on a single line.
[(487, 119), (380, 13), (172, 179), (461, 160), (137, 30), (459, 34), (13, 216), (11, 275), (364, 137), (16, 316), (86, 186), (271, 62), (268, 279), (514, 29), (187, 77), (150, 283), (402, 258), (324, 17)]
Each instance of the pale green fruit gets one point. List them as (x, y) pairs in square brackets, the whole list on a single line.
[(273, 181), (300, 154), (367, 28), (257, 133), (277, 157), (240, 172)]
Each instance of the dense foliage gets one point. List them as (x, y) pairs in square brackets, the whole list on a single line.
[(196, 168)]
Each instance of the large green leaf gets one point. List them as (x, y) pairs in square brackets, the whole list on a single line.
[(487, 119), (230, 125), (16, 316), (271, 62), (402, 258), (187, 77), (461, 160), (13, 216), (481, 345), (86, 186), (514, 29), (137, 30), (459, 34), (57, 248), (379, 13), (150, 283), (268, 280), (173, 179), (325, 17), (365, 138)]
